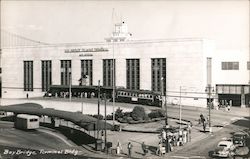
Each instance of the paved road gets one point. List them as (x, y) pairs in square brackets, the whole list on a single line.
[(34, 139), (202, 148)]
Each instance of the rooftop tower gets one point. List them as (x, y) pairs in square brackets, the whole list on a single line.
[(120, 33)]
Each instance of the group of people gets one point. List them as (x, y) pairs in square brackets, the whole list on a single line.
[(129, 147), (168, 140)]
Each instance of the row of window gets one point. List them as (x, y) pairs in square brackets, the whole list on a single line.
[(232, 65), (121, 93), (158, 73)]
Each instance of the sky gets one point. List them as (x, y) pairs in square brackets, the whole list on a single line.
[(73, 21)]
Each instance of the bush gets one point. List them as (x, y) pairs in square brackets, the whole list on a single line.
[(109, 117), (122, 120), (129, 119), (118, 113), (127, 114), (138, 113), (96, 116), (156, 114)]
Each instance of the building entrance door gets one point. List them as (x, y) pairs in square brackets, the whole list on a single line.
[(226, 98)]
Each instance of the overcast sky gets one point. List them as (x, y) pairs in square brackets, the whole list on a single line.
[(225, 21)]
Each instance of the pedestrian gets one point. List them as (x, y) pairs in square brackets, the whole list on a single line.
[(189, 132), (203, 121), (159, 150), (27, 95), (118, 148), (129, 149), (164, 135), (144, 148)]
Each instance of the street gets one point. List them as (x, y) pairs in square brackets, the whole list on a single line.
[(223, 122), (203, 148)]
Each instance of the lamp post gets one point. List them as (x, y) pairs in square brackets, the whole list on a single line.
[(98, 110), (180, 111), (209, 90), (105, 126), (164, 105), (113, 81), (70, 83)]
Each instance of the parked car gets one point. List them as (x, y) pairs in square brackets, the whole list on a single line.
[(224, 149), (239, 138)]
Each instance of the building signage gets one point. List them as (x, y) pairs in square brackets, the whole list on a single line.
[(87, 54), (101, 49)]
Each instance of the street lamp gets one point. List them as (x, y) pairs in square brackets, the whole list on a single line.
[(180, 111), (70, 83), (113, 80), (209, 90), (164, 105)]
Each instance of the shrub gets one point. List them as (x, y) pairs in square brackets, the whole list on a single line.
[(96, 116), (109, 117), (127, 114), (156, 114), (129, 119), (118, 113), (122, 120), (138, 113)]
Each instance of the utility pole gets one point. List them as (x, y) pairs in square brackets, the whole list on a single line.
[(98, 109), (209, 104), (105, 126), (208, 89), (180, 109), (113, 82), (164, 105), (70, 83)]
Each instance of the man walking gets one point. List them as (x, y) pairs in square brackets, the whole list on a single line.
[(203, 121), (144, 148), (129, 149)]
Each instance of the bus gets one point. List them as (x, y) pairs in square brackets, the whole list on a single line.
[(26, 122)]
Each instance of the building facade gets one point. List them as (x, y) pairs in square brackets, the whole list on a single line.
[(180, 64)]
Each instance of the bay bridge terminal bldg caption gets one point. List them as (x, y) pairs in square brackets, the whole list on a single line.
[(181, 68)]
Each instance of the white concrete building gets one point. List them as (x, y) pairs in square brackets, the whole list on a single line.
[(139, 64)]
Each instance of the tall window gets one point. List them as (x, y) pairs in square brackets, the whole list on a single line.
[(86, 72), (248, 65), (46, 75), (133, 74), (28, 75), (230, 65), (108, 72), (65, 72), (158, 72)]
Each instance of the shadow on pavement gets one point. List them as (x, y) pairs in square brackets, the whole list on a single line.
[(152, 149), (243, 122), (77, 136)]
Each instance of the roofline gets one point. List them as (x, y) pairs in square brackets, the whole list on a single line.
[(109, 43)]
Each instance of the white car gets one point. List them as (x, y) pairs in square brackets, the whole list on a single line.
[(224, 149)]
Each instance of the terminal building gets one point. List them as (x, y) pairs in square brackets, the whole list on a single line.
[(184, 69)]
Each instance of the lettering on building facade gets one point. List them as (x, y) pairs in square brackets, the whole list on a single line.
[(77, 50)]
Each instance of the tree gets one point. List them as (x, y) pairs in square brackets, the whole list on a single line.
[(138, 113)]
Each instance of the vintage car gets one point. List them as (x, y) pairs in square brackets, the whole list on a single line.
[(239, 138), (224, 149)]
